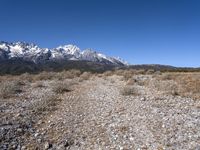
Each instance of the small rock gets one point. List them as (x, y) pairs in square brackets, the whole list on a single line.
[(39, 140), (19, 130), (23, 147), (14, 146), (36, 134), (47, 145), (143, 99), (17, 115)]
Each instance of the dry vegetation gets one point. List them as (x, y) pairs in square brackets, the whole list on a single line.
[(184, 84), (28, 101), (61, 87), (10, 88), (130, 90), (46, 104)]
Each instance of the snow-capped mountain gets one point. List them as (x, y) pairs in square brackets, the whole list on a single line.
[(31, 52)]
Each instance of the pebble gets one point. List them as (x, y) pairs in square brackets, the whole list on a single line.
[(47, 145)]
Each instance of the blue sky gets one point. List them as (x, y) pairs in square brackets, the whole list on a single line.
[(139, 31)]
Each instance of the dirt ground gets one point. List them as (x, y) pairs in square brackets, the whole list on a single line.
[(95, 114)]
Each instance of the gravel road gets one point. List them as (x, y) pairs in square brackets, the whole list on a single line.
[(97, 116)]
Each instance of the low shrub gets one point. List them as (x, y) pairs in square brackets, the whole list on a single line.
[(45, 104), (61, 87), (9, 88), (38, 84), (129, 90), (85, 75)]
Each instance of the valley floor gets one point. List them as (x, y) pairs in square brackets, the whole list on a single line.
[(96, 115)]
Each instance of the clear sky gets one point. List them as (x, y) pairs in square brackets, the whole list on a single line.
[(139, 31)]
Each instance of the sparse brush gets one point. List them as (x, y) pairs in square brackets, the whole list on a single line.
[(140, 71), (61, 87), (70, 74), (26, 77), (38, 84), (85, 76), (169, 76), (129, 90), (9, 88), (127, 76), (131, 81), (108, 73), (157, 73), (187, 84), (44, 76), (150, 71), (119, 72), (46, 103)]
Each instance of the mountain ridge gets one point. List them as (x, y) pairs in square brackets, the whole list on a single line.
[(31, 52)]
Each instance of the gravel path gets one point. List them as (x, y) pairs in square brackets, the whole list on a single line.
[(97, 116)]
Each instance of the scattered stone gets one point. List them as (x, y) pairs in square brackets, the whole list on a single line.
[(143, 99), (23, 148), (47, 145), (36, 134), (101, 118), (19, 130)]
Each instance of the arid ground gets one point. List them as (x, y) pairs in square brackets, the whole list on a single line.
[(119, 110)]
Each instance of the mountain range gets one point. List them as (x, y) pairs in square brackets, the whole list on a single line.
[(33, 53)]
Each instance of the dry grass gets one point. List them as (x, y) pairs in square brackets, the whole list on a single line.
[(44, 76), (85, 76), (47, 103), (131, 81), (10, 88), (70, 74), (129, 90), (61, 87), (38, 84), (108, 73), (187, 84), (127, 74), (150, 71)]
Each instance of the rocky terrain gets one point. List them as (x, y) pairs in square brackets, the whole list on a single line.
[(119, 111)]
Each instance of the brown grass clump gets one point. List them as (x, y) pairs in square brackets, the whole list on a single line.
[(61, 87), (150, 71), (190, 85), (38, 84), (70, 74), (187, 84), (131, 81), (85, 76), (44, 76), (140, 71), (26, 77), (108, 73), (127, 75), (45, 104), (9, 88), (119, 72), (129, 90)]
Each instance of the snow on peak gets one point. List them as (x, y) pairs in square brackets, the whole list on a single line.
[(70, 49), (36, 54)]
